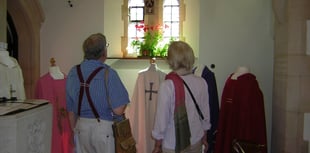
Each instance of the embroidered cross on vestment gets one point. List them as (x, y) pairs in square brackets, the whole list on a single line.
[(151, 91)]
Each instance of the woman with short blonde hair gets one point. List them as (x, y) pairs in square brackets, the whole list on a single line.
[(179, 127), (180, 55)]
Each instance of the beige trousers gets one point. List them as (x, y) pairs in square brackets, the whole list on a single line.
[(94, 136), (196, 148)]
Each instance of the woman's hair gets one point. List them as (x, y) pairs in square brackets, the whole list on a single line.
[(180, 55), (94, 46)]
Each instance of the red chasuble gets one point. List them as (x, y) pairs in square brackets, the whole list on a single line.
[(242, 114)]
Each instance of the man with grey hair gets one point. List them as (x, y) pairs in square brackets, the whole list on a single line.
[(91, 116)]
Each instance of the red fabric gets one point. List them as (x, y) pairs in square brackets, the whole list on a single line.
[(54, 91), (242, 113), (182, 131), (179, 89)]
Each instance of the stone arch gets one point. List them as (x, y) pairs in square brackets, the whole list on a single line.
[(28, 17)]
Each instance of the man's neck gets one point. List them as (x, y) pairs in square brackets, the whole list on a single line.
[(102, 59)]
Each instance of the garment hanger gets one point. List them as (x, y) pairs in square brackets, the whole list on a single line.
[(152, 60), (52, 61), (153, 64), (240, 71), (55, 71)]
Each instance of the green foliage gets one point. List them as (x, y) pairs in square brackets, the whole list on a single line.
[(152, 45)]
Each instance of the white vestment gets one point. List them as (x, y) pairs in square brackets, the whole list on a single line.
[(11, 77), (142, 108)]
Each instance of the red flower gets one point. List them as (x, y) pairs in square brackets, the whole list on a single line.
[(166, 26)]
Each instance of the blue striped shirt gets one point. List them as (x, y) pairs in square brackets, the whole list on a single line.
[(117, 91)]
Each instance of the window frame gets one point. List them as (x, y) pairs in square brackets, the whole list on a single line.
[(157, 14), (135, 7)]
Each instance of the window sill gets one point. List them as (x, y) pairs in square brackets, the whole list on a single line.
[(135, 62), (136, 58)]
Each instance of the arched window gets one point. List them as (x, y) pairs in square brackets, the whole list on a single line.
[(171, 19), (152, 19), (136, 16)]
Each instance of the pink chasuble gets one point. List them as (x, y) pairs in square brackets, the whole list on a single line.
[(141, 110), (54, 91)]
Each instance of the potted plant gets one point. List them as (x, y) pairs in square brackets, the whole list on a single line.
[(152, 44)]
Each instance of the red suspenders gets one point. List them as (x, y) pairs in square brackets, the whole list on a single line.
[(85, 85)]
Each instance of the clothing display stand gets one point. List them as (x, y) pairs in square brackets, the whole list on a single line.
[(141, 110), (11, 77), (209, 76), (242, 114), (240, 71), (55, 70), (51, 86)]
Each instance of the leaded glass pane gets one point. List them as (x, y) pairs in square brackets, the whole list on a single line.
[(135, 3), (171, 2), (136, 14)]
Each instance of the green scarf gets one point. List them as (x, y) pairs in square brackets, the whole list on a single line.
[(182, 132)]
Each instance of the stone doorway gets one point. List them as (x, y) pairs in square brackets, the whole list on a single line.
[(28, 17)]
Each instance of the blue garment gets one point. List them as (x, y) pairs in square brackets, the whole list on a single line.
[(209, 77), (117, 91)]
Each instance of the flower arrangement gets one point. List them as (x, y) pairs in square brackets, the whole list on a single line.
[(152, 45)]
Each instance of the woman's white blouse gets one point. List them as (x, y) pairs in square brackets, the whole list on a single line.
[(164, 119)]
